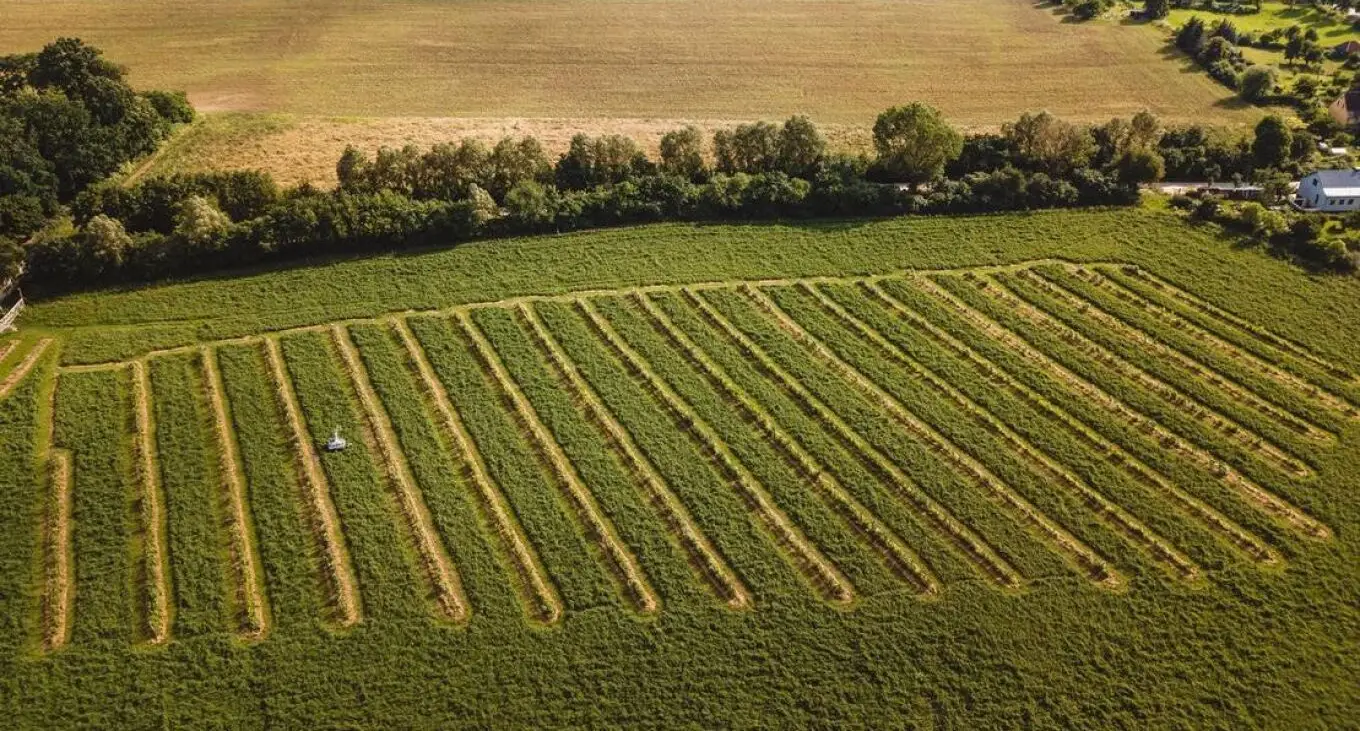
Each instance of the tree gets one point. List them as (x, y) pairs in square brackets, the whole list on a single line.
[(801, 146), (11, 258), (1257, 83), (1191, 36), (512, 161), (915, 142), (106, 241), (1271, 144), (1262, 222), (200, 221), (594, 161), (749, 148), (531, 204), (352, 170), (682, 153), (1156, 9), (1141, 165), (1050, 144)]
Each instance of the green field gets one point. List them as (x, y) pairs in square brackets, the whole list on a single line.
[(1059, 469)]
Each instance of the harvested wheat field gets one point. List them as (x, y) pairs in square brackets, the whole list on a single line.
[(1076, 454)]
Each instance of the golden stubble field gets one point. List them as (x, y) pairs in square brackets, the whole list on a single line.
[(606, 64)]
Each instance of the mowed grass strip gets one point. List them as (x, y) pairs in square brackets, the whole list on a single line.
[(378, 433), (898, 557), (321, 515), (979, 474), (390, 583), (825, 577), (593, 522), (702, 555), (526, 572), (22, 368), (57, 564), (910, 307), (197, 526), (1291, 398), (1113, 514), (1250, 336), (243, 546), (93, 422), (1048, 308), (28, 565), (1013, 324), (293, 558), (151, 547), (535, 502)]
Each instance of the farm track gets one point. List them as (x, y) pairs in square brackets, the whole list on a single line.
[(326, 523), (1235, 389), (440, 572), (1298, 384), (1233, 534), (154, 547), (536, 590), (1271, 503), (703, 555), (13, 378), (1253, 331), (623, 564), (244, 550), (57, 563), (899, 558), (974, 471), (807, 558), (1113, 515), (7, 348)]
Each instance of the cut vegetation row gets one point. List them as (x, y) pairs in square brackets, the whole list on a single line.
[(13, 378), (152, 558)]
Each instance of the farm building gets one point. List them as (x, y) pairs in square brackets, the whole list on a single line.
[(1346, 109), (1342, 50), (1330, 190)]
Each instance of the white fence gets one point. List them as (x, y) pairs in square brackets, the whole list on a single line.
[(7, 321)]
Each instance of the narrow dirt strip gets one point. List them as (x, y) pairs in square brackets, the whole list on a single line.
[(1233, 534), (444, 578), (1109, 512), (326, 523), (708, 562), (153, 509), (1278, 342), (1256, 444), (802, 554), (897, 556), (24, 367), (926, 510), (1235, 389), (537, 593), (1250, 360), (1254, 493), (57, 552), (8, 348), (625, 565), (244, 550), (975, 471)]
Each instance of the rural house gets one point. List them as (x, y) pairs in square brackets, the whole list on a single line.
[(1342, 50), (1330, 191), (1346, 109)]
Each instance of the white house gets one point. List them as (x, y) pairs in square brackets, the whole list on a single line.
[(1330, 191)]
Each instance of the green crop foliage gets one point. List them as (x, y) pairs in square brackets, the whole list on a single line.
[(681, 409)]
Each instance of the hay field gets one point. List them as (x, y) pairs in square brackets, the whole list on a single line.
[(925, 469), (595, 61)]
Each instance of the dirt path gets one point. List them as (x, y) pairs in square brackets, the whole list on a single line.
[(447, 585), (25, 365), (244, 550), (57, 598), (327, 522)]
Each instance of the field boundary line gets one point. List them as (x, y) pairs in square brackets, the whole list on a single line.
[(1264, 335), (326, 523), (1114, 515), (975, 471), (58, 560), (8, 348), (711, 565), (924, 508), (439, 568), (1195, 407), (13, 378), (536, 590), (1165, 438), (245, 550), (806, 558), (899, 558), (1326, 398), (1229, 384), (1234, 535), (153, 509), (625, 566)]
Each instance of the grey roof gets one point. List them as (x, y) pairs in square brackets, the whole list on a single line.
[(1329, 179)]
